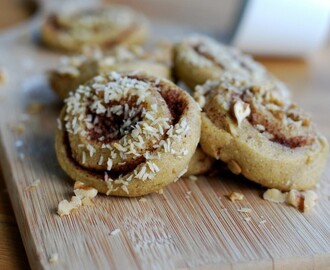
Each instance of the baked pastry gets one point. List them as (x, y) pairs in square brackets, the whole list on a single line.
[(127, 134), (200, 163), (77, 70), (104, 26), (198, 59), (258, 134)]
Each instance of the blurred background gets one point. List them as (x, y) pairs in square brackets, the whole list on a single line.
[(281, 28)]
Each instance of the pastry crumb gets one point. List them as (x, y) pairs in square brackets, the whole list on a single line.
[(244, 210), (263, 221), (114, 232), (142, 199), (65, 207), (87, 201), (193, 178), (274, 195), (302, 200), (235, 196), (247, 219), (83, 191), (34, 184), (161, 191), (53, 258)]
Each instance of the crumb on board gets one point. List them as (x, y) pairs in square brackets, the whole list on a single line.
[(244, 210), (114, 232), (34, 184), (263, 221), (65, 207), (161, 191), (53, 258), (235, 196), (193, 178), (83, 191), (34, 108), (274, 195), (142, 199), (247, 219), (302, 200)]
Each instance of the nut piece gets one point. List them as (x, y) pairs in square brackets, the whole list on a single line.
[(65, 207), (53, 258), (241, 111), (303, 201), (235, 196), (82, 191), (234, 167), (275, 195)]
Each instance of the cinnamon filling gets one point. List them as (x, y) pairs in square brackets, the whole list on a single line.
[(198, 49), (274, 128), (115, 125)]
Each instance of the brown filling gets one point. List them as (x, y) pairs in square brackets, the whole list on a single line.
[(274, 128), (112, 127), (197, 49)]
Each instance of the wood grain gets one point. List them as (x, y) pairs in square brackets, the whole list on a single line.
[(203, 230)]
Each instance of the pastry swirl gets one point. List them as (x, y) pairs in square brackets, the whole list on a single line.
[(127, 134), (105, 26), (258, 134), (198, 59), (77, 70)]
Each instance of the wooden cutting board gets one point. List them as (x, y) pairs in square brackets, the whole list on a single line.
[(169, 231)]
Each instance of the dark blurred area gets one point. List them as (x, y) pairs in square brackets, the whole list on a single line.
[(15, 11)]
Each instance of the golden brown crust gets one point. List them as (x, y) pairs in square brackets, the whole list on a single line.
[(259, 135), (105, 26), (108, 163)]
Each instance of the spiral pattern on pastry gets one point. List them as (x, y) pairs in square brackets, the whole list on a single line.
[(257, 133), (77, 70), (127, 134), (105, 26), (199, 58)]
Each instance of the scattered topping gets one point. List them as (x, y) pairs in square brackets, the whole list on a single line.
[(65, 207), (247, 219), (263, 221), (244, 210), (241, 111), (143, 199), (235, 196), (34, 184), (82, 191), (161, 191), (53, 258), (275, 195), (193, 178), (114, 232), (302, 200)]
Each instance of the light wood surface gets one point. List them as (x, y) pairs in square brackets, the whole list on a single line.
[(167, 231)]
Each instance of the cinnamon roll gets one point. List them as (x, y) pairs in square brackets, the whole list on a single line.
[(198, 59), (127, 134), (105, 26), (258, 134), (77, 70)]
